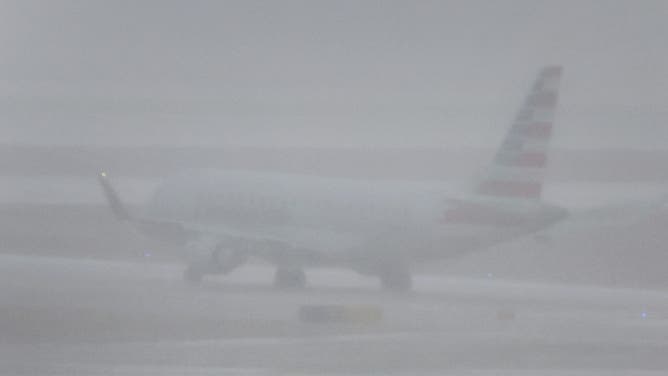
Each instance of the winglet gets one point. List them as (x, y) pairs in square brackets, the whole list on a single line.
[(115, 203)]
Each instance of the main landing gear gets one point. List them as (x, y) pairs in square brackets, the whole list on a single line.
[(194, 274)]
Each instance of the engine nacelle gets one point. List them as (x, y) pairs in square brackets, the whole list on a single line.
[(208, 255), (200, 251)]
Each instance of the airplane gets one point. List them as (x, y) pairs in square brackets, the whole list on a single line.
[(378, 228)]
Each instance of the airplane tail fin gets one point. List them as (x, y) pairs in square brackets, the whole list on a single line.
[(120, 211), (518, 168)]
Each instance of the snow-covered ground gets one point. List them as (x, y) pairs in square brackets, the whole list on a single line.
[(64, 316)]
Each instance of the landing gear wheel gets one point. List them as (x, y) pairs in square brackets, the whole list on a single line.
[(289, 278), (396, 280), (193, 275)]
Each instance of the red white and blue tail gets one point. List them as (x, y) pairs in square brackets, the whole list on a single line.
[(518, 168)]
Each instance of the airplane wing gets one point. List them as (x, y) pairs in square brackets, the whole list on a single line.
[(184, 234), (163, 230)]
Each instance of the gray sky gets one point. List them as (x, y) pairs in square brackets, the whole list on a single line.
[(337, 73)]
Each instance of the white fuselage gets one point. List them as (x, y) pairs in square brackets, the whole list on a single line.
[(319, 220)]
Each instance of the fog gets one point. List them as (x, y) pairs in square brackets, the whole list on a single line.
[(326, 73), (333, 187)]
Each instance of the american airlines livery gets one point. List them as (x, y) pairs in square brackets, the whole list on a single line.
[(380, 228)]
